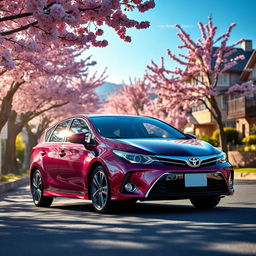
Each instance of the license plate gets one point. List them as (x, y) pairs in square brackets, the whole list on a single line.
[(196, 180)]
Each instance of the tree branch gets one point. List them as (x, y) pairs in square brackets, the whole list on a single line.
[(17, 16), (5, 33)]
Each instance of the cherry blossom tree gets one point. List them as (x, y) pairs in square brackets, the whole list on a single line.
[(37, 24), (30, 66), (49, 80), (194, 80), (42, 98), (130, 99), (139, 98)]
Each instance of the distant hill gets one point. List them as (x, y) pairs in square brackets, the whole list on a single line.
[(107, 89)]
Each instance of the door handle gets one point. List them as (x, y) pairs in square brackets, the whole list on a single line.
[(43, 153), (62, 153)]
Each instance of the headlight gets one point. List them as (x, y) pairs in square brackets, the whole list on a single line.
[(135, 158), (222, 157)]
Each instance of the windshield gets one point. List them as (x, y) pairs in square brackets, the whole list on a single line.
[(134, 127)]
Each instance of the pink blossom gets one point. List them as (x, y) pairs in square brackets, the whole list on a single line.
[(99, 32), (146, 6), (143, 25), (57, 11), (128, 39)]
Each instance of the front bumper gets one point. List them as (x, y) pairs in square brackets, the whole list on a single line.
[(172, 186), (152, 184)]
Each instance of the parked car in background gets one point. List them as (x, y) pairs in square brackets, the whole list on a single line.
[(119, 158)]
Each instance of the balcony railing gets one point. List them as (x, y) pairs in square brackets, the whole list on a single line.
[(242, 107)]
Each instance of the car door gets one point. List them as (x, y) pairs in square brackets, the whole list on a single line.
[(74, 160), (53, 157)]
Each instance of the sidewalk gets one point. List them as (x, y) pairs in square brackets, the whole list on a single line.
[(245, 176), (9, 185)]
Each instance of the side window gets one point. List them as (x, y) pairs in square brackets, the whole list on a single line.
[(60, 132), (48, 133), (79, 126)]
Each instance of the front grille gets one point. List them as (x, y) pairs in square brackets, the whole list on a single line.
[(209, 161), (170, 161), (181, 161), (216, 185)]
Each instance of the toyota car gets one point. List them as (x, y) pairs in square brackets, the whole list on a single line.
[(113, 159)]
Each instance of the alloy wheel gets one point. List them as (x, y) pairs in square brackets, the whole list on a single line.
[(99, 190), (37, 187)]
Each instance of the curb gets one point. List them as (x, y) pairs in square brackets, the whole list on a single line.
[(245, 176), (9, 185)]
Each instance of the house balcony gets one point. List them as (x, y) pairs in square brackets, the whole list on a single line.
[(242, 107)]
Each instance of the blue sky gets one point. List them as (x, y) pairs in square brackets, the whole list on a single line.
[(125, 60)]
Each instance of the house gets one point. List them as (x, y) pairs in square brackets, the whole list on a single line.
[(243, 109), (235, 114)]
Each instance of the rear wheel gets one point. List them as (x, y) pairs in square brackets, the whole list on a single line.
[(205, 202), (37, 189), (100, 190)]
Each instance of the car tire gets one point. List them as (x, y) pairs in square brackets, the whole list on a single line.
[(205, 202), (37, 190), (100, 192)]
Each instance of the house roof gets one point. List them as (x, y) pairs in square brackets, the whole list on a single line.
[(251, 62), (239, 67)]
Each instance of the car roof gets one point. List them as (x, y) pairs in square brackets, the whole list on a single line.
[(111, 115)]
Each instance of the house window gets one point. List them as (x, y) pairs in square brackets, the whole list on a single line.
[(253, 73), (223, 80), (224, 101), (200, 107), (198, 80)]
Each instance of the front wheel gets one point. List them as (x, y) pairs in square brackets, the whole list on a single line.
[(205, 202), (37, 191), (100, 190)]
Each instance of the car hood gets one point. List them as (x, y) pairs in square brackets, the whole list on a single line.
[(167, 147)]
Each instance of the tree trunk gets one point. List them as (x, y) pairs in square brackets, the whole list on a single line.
[(6, 104), (5, 110), (218, 118), (10, 163), (32, 141), (223, 139)]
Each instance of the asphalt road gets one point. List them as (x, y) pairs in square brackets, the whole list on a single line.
[(70, 227)]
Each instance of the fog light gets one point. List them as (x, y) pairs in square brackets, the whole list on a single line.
[(130, 187)]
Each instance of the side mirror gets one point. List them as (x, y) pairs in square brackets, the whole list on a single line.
[(80, 138), (191, 136), (88, 138)]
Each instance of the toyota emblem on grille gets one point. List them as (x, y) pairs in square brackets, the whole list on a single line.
[(194, 162)]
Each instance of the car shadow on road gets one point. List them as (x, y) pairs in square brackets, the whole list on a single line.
[(170, 212), (148, 228)]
